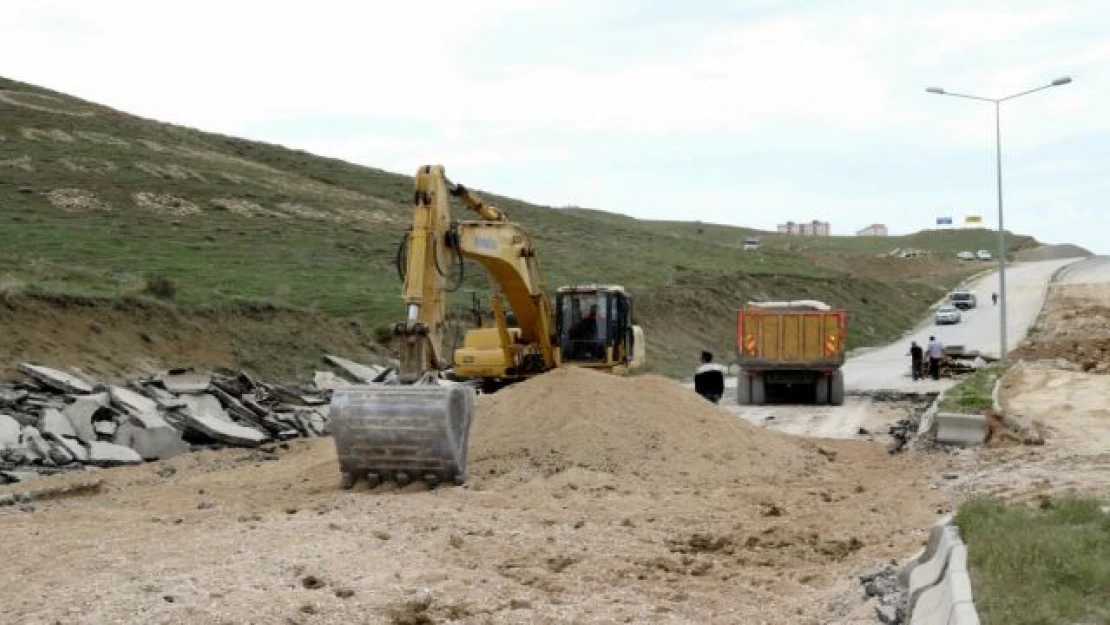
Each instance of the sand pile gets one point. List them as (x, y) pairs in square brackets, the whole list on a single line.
[(645, 426)]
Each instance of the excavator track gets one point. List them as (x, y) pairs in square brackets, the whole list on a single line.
[(402, 433)]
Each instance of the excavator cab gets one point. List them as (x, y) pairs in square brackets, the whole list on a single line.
[(594, 326)]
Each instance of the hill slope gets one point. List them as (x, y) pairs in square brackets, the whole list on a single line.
[(101, 205)]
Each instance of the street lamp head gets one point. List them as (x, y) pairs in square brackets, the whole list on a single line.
[(1061, 81), (936, 90)]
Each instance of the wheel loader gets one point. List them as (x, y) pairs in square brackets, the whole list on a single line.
[(414, 426)]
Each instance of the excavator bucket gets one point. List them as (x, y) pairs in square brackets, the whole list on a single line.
[(402, 433)]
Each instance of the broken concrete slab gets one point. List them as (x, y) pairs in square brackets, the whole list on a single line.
[(327, 381), (186, 383), (124, 434), (58, 380), (162, 397), (360, 372), (109, 454), (80, 414), (10, 430), (105, 428), (158, 443), (53, 424), (204, 414), (75, 448), (131, 402), (32, 439)]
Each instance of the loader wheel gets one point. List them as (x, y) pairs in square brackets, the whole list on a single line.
[(836, 389), (759, 391), (821, 390), (743, 389), (347, 480)]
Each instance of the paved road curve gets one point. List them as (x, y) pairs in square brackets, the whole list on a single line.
[(887, 368)]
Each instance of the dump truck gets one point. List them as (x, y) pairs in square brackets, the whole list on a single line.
[(790, 351)]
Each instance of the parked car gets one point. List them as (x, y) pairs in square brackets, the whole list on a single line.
[(965, 255), (983, 255), (964, 300), (947, 315), (752, 243)]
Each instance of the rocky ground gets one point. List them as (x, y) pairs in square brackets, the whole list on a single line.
[(591, 500)]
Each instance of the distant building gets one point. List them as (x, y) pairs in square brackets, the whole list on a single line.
[(813, 228), (874, 230)]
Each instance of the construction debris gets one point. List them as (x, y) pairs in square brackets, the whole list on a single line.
[(57, 421)]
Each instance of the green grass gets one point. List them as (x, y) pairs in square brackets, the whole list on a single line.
[(339, 261), (973, 394), (1038, 567)]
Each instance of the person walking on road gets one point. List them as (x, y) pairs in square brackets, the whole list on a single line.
[(936, 352), (917, 356), (994, 298)]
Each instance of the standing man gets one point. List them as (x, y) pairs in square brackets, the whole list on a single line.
[(936, 352), (994, 298), (917, 355), (709, 378)]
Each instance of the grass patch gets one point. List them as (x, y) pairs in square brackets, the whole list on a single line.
[(1041, 567), (973, 394)]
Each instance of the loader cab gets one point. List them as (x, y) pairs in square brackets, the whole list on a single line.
[(594, 325)]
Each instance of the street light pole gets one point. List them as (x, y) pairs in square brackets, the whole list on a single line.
[(1002, 350)]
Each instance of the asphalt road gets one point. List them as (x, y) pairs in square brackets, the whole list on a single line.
[(887, 368), (1093, 270)]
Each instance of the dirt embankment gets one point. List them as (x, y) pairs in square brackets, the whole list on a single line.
[(114, 338), (1051, 252), (1074, 329), (592, 499)]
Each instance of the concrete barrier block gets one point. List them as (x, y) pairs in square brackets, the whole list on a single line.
[(963, 614), (928, 573), (931, 543), (961, 429)]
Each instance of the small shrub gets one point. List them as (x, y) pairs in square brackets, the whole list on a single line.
[(383, 334), (160, 287)]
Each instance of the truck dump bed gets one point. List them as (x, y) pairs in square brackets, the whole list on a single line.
[(790, 335)]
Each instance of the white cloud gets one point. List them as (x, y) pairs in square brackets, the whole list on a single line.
[(829, 86)]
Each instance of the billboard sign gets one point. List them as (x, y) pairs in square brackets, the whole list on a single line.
[(944, 221), (973, 219)]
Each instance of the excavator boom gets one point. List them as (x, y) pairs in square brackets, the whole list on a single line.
[(416, 426)]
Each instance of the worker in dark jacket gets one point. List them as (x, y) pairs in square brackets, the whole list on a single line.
[(709, 378), (917, 357)]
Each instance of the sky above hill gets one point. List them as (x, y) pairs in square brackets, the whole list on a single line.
[(745, 112)]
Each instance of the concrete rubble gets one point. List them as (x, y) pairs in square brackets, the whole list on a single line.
[(54, 421)]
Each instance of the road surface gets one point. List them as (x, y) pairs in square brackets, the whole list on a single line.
[(1093, 270), (887, 368)]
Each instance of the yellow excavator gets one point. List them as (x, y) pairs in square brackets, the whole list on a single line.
[(414, 425)]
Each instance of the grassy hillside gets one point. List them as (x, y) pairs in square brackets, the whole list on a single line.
[(103, 205)]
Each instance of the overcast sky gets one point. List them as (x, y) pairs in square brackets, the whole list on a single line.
[(746, 112)]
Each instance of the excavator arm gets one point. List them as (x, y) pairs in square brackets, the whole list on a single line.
[(435, 243), (417, 427)]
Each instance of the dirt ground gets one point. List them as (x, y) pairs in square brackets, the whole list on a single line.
[(114, 339), (1072, 410), (1073, 329), (1061, 393), (591, 499)]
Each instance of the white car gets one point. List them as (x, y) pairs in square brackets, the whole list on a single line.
[(947, 315), (983, 255), (965, 256)]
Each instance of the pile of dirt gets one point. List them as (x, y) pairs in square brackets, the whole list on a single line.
[(1052, 252), (648, 427), (1075, 327)]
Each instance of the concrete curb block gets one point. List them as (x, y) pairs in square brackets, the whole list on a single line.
[(937, 581), (927, 425), (953, 428)]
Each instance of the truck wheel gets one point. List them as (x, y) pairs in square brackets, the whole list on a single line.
[(836, 389), (759, 391), (743, 389), (821, 391)]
